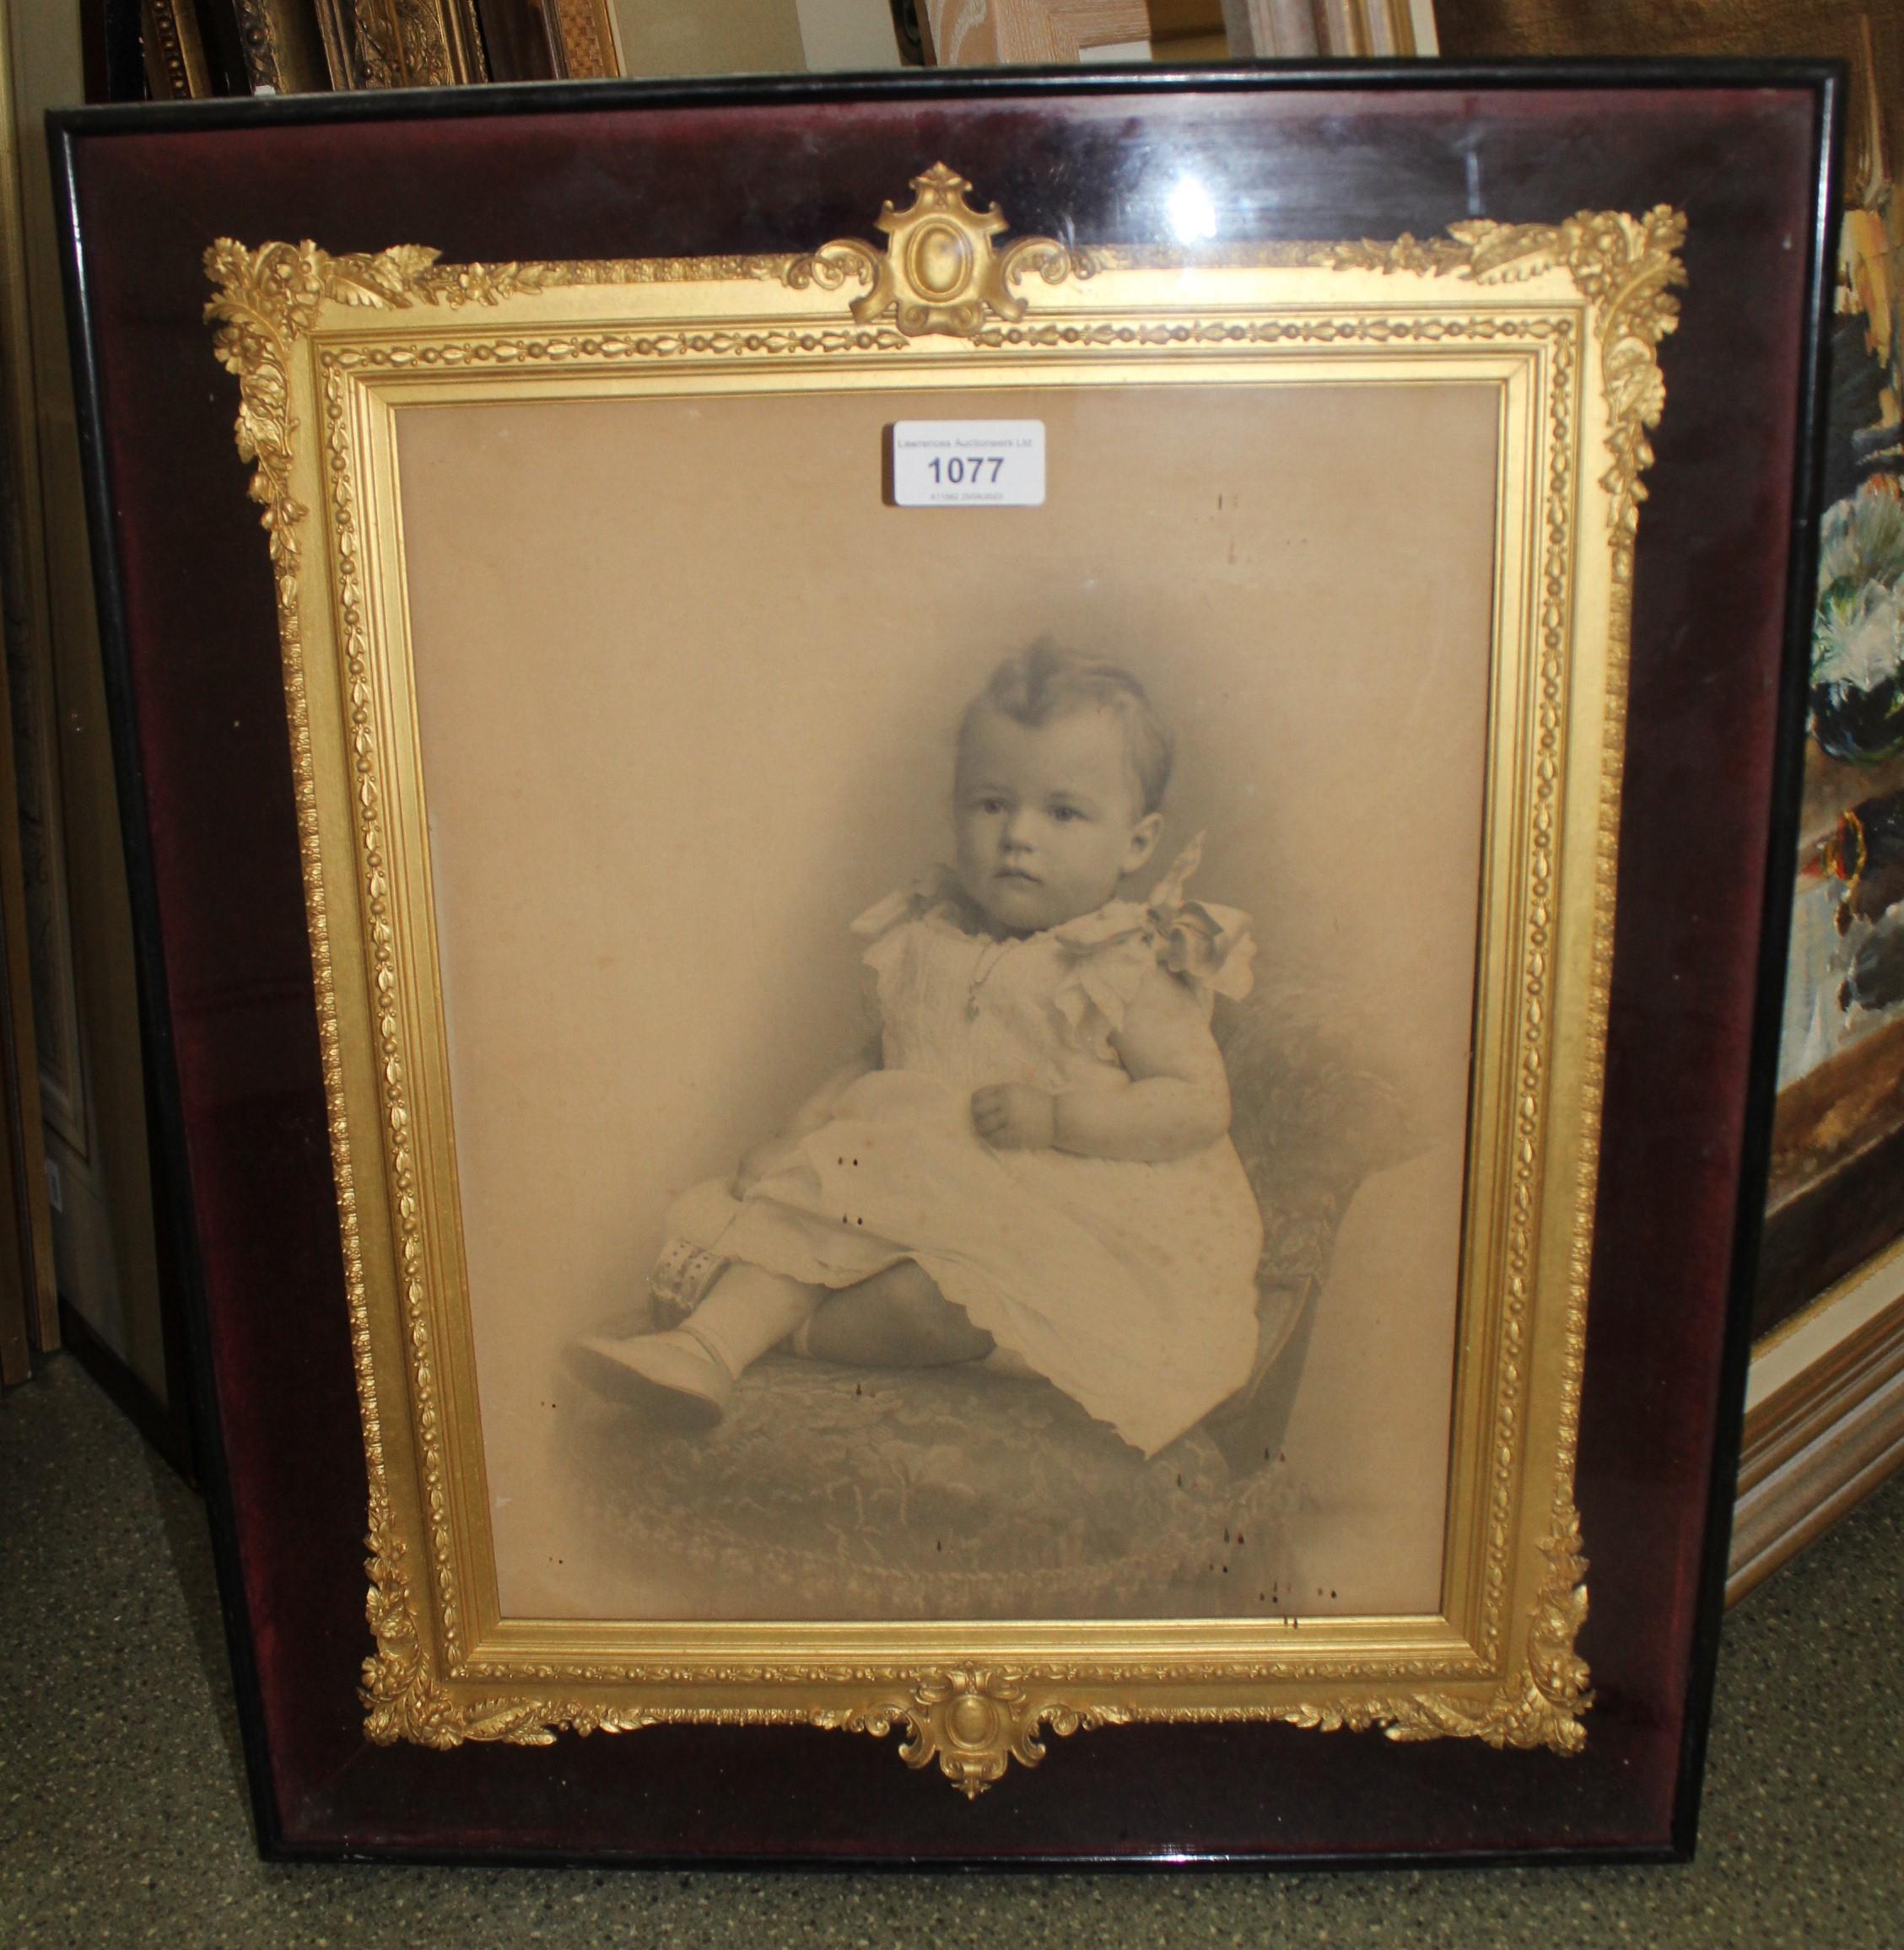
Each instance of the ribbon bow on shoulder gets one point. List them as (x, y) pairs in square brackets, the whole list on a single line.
[(1207, 944)]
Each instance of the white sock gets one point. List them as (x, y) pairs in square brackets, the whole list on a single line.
[(747, 1313)]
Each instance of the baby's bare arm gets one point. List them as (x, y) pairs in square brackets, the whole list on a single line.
[(1177, 1100)]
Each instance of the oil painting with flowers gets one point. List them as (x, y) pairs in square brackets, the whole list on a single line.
[(1837, 1171)]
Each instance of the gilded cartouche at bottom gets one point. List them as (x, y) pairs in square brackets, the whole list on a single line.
[(941, 278)]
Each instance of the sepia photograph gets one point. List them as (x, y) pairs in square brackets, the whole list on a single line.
[(958, 1017)]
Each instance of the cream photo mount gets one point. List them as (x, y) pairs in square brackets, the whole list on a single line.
[(1562, 322)]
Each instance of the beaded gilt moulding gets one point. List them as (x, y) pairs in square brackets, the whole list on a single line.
[(614, 671)]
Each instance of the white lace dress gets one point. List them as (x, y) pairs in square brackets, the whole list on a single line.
[(1129, 1285)]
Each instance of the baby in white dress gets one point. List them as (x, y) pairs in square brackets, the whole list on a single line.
[(1034, 1157)]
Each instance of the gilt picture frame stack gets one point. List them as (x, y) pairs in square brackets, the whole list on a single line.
[(599, 659)]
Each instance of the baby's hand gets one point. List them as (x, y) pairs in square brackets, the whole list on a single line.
[(765, 1157), (1014, 1117)]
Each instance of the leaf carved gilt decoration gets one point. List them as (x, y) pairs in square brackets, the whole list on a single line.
[(941, 274)]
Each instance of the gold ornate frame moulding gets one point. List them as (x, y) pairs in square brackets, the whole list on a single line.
[(1562, 322), (400, 43)]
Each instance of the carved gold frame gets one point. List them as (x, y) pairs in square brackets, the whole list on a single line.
[(1563, 321), (398, 43)]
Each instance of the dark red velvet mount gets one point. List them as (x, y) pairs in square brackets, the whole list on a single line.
[(192, 649)]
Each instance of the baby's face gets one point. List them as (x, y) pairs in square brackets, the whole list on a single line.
[(1047, 818)]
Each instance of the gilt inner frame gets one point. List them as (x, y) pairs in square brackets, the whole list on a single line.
[(326, 373)]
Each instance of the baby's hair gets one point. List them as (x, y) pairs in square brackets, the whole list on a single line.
[(1046, 683)]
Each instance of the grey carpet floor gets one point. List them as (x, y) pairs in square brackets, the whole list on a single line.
[(123, 1817)]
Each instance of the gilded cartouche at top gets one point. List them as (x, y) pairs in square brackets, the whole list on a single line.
[(941, 276)]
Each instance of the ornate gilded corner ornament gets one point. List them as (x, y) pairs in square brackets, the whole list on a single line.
[(267, 299), (1624, 267), (940, 274)]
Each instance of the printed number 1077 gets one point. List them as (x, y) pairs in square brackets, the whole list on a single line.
[(962, 471)]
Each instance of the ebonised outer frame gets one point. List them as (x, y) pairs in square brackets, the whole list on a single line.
[(274, 1408)]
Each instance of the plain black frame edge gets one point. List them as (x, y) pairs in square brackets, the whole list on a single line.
[(181, 1271), (181, 1268), (1774, 941), (562, 96)]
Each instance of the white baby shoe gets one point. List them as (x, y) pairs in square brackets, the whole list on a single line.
[(676, 1376)]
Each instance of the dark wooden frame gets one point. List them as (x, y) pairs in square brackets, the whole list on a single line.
[(1711, 775)]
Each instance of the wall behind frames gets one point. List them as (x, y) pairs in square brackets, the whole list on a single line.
[(90, 1060)]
